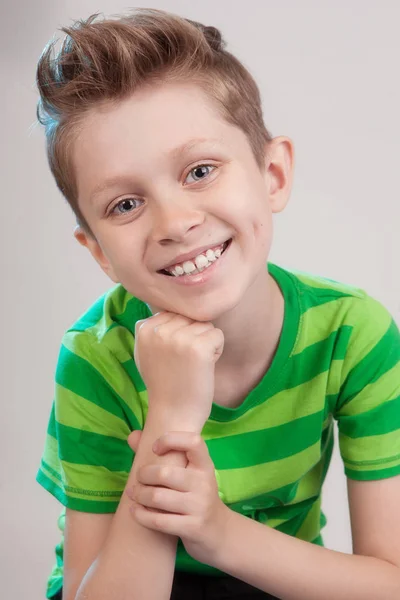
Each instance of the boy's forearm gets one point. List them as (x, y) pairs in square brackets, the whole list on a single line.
[(136, 562), (292, 569)]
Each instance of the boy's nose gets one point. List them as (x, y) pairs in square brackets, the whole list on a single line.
[(174, 220)]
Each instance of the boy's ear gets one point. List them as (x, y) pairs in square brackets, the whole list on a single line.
[(279, 167), (96, 251)]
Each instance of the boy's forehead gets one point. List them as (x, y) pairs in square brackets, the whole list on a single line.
[(171, 115), (140, 132)]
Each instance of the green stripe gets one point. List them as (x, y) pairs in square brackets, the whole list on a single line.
[(50, 472), (77, 412), (313, 297), (370, 449), (319, 321), (91, 506), (291, 526), (121, 342), (309, 485), (260, 416), (116, 306), (265, 445), (315, 283), (385, 418), (80, 377), (50, 455), (372, 322), (374, 394), (50, 475), (316, 359), (386, 463), (283, 513), (51, 428), (77, 374), (299, 369), (266, 387), (134, 310), (266, 500), (112, 482), (251, 481), (84, 447), (303, 491), (117, 479), (330, 402), (92, 315), (310, 526), (380, 358), (132, 370), (102, 315), (371, 475)]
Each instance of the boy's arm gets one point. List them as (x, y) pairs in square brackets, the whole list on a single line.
[(368, 415), (136, 562), (293, 569)]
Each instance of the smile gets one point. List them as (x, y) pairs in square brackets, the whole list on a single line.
[(201, 269), (197, 265)]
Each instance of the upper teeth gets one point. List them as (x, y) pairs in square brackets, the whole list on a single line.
[(201, 262)]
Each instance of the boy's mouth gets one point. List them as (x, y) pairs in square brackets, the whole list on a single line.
[(198, 264)]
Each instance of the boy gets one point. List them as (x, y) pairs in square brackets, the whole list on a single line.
[(236, 366)]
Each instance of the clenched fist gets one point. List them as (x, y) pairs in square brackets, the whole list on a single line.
[(176, 358)]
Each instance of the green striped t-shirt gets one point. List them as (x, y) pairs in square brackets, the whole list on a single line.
[(337, 359)]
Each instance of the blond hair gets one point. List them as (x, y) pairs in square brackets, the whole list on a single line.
[(106, 60)]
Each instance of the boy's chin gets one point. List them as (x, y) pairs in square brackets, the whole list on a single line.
[(206, 313), (201, 314)]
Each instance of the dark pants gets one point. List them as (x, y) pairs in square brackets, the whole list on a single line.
[(201, 587)]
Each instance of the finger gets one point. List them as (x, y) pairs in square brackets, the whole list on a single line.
[(216, 337), (175, 323), (199, 327), (134, 439), (186, 441), (162, 499), (142, 325), (157, 319), (176, 478), (166, 522)]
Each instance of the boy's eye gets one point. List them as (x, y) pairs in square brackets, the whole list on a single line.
[(125, 202), (201, 172)]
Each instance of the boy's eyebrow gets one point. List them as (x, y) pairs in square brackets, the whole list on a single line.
[(174, 153), (190, 144)]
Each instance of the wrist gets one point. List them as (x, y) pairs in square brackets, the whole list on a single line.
[(222, 543), (168, 421)]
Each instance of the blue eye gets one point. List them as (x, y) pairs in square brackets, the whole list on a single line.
[(201, 171), (121, 203)]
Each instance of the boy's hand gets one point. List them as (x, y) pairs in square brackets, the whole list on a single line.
[(181, 501), (176, 358)]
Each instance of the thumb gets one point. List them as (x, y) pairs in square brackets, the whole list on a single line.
[(134, 439)]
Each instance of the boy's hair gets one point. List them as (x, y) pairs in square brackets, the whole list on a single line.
[(104, 61)]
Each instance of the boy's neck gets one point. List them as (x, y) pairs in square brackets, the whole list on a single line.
[(253, 328)]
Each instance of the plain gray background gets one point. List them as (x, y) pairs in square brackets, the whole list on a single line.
[(328, 74)]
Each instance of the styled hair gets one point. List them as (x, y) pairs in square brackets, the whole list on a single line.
[(102, 61)]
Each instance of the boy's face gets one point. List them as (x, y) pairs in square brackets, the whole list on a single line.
[(148, 203)]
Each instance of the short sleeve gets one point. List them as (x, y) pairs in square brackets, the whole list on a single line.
[(368, 405), (86, 459)]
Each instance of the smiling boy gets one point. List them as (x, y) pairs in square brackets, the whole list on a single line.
[(156, 138), (202, 208)]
